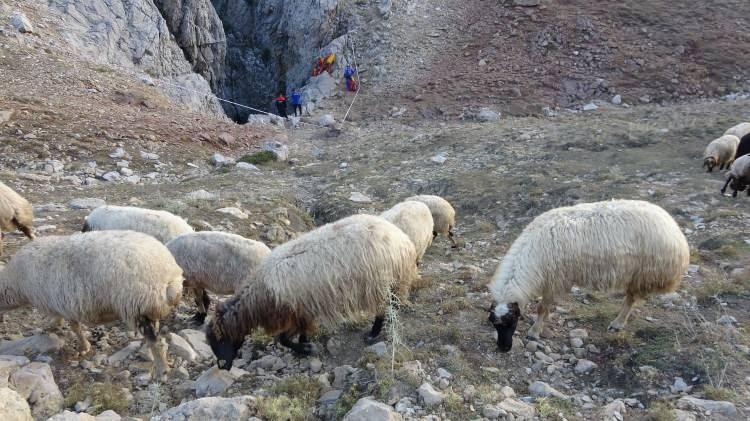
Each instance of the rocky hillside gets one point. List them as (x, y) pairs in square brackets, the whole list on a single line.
[(82, 124)]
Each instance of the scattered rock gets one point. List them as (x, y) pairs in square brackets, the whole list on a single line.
[(715, 407), (119, 153), (72, 416), (118, 357), (680, 386), (518, 408), (378, 349), (680, 415), (487, 115), (245, 166), (590, 107), (614, 411), (220, 160), (213, 382), (180, 347), (429, 395), (439, 158), (270, 363), (13, 407), (727, 320), (236, 212), (584, 366), (493, 412), (149, 156), (37, 344), (576, 342), (543, 390), (578, 333), (280, 150), (200, 195), (507, 392), (367, 409), (617, 99), (86, 203), (315, 365), (358, 197), (444, 374), (237, 408), (226, 139), (19, 21), (5, 116), (35, 383), (197, 339), (112, 176), (326, 120)]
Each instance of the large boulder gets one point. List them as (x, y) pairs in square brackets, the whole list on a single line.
[(13, 407), (37, 344), (35, 383), (367, 409), (703, 405), (237, 408), (19, 21)]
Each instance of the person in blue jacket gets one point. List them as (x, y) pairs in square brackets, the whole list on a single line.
[(351, 82), (297, 102)]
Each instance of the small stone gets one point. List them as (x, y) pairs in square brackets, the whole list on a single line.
[(213, 382), (703, 405), (727, 320), (180, 347), (493, 412), (429, 395), (617, 99), (378, 349), (367, 409), (439, 159), (126, 171), (578, 333), (123, 354), (86, 203), (507, 392), (584, 366), (680, 415), (340, 374), (444, 374), (532, 346), (5, 116), (482, 62), (358, 197), (119, 153), (326, 120), (543, 390), (614, 411), (246, 166), (22, 24), (518, 408), (576, 342), (211, 408), (487, 115), (149, 156), (36, 344), (526, 3), (226, 139), (197, 339), (280, 150), (680, 386), (590, 107), (220, 160), (315, 365), (469, 392), (236, 212), (13, 407), (200, 195)]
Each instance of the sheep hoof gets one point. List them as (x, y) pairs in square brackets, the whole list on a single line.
[(305, 349), (370, 340), (614, 328), (531, 337)]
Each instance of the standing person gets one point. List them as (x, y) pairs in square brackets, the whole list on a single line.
[(281, 105), (349, 72), (297, 102)]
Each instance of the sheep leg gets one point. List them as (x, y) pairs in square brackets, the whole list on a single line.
[(303, 348), (83, 344), (203, 301), (622, 318), (542, 312), (377, 327), (724, 189), (150, 330), (454, 244), (26, 230)]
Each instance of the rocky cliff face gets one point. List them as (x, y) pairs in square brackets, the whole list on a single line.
[(271, 46), (198, 31), (132, 34)]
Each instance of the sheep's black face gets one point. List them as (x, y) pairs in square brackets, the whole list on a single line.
[(505, 319), (709, 163), (225, 349)]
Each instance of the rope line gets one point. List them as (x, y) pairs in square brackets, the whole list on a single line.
[(359, 81)]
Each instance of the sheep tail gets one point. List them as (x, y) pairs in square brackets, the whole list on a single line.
[(174, 292)]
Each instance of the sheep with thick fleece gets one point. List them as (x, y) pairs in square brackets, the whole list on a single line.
[(162, 225), (742, 131), (738, 176), (443, 215), (334, 273), (720, 152), (626, 245), (415, 220), (95, 278), (215, 261), (15, 213)]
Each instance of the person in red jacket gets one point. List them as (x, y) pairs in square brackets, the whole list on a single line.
[(281, 105)]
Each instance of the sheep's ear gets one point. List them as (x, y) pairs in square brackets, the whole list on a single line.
[(515, 310)]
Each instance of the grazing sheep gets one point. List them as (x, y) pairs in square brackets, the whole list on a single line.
[(15, 213), (331, 274), (215, 261), (738, 175), (720, 152), (96, 278), (160, 224), (443, 215), (415, 220), (742, 131), (625, 245)]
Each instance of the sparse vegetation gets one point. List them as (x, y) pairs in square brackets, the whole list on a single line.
[(104, 396), (259, 158), (555, 409), (660, 411)]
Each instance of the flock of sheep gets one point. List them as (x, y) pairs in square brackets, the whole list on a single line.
[(731, 151), (131, 264)]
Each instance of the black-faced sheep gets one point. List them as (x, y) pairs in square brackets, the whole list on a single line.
[(15, 213), (443, 215), (215, 261), (738, 176), (334, 273), (162, 225), (96, 278), (625, 245), (415, 220), (742, 131), (720, 152)]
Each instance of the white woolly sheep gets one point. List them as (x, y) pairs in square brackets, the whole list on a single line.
[(334, 273), (443, 215), (720, 152), (625, 245), (738, 176), (15, 213), (742, 131), (162, 225), (96, 278), (415, 220), (216, 261)]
